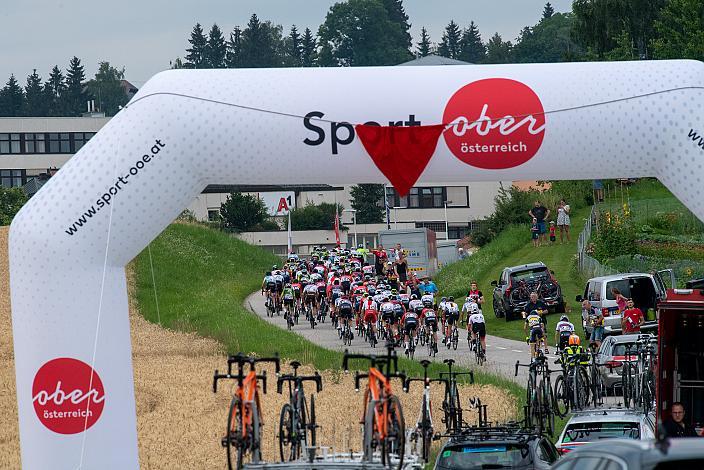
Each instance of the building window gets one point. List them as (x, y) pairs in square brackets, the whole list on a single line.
[(80, 139), (213, 215), (60, 143), (34, 143), (13, 178), (419, 198), (9, 143), (434, 226), (457, 232)]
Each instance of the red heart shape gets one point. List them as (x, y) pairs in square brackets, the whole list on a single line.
[(401, 153)]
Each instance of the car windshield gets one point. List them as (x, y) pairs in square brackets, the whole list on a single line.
[(591, 432), (622, 285), (620, 349), (482, 456), (531, 274)]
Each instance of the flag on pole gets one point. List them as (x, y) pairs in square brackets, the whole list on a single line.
[(337, 228), (388, 211), (290, 239)]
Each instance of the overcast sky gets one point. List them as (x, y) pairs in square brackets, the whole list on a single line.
[(144, 35)]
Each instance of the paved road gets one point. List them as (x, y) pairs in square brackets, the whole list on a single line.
[(502, 354)]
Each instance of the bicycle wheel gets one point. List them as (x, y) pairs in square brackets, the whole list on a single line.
[(312, 426), (234, 439), (426, 431), (627, 385), (582, 387), (455, 339), (286, 436), (548, 410), (370, 439), (561, 399), (395, 441), (255, 436)]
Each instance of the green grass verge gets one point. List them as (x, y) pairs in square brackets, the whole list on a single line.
[(514, 247), (203, 278)]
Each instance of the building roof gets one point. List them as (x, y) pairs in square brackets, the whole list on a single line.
[(263, 188), (435, 60)]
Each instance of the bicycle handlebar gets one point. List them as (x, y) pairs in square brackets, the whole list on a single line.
[(533, 365), (390, 359), (453, 375), (317, 378), (217, 377), (358, 376), (240, 359), (426, 381)]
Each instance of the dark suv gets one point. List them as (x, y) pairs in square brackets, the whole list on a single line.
[(512, 291), (496, 447)]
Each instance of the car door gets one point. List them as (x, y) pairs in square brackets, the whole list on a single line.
[(499, 290)]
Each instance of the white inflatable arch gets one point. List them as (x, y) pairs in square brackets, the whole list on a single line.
[(186, 129)]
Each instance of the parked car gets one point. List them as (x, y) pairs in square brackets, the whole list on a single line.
[(646, 290), (621, 454), (595, 425), (512, 290), (611, 354), (479, 448)]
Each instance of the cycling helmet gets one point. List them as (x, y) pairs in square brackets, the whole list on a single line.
[(574, 340), (444, 299), (414, 297), (451, 299), (534, 312), (288, 284), (473, 308), (564, 318), (274, 267)]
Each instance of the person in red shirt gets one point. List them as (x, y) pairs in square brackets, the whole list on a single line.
[(380, 258), (632, 318)]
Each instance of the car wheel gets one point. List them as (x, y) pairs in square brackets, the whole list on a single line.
[(497, 310), (560, 306)]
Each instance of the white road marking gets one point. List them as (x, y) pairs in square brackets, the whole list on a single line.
[(499, 347), (516, 350)]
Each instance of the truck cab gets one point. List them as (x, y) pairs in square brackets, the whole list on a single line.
[(681, 355)]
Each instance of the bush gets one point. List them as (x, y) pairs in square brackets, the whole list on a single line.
[(684, 269), (315, 217), (615, 235), (242, 212), (11, 201)]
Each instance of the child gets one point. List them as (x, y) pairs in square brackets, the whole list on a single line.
[(552, 231), (535, 231)]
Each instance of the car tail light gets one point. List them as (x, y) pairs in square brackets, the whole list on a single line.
[(613, 364), (605, 312), (563, 450)]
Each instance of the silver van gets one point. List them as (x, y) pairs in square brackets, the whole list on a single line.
[(645, 289)]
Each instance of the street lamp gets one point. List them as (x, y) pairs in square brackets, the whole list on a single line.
[(447, 224), (354, 222)]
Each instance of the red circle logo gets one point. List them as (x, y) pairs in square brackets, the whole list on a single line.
[(497, 123), (65, 398)]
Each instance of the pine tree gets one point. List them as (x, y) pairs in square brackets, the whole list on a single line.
[(57, 88), (75, 98), (450, 45), (196, 57), (548, 11), (397, 14), (293, 48), (34, 96), (233, 58), (261, 44), (215, 49), (11, 99), (48, 100), (472, 49), (425, 47), (308, 49), (498, 51)]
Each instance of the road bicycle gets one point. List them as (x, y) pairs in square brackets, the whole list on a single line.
[(539, 395), (571, 390), (242, 438), (475, 344), (297, 425), (451, 404), (346, 333), (384, 426), (432, 344), (454, 338), (323, 310), (422, 434), (411, 351)]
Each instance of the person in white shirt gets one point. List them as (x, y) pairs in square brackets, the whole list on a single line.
[(563, 330), (476, 325)]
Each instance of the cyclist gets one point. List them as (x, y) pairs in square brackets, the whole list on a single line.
[(431, 323), (574, 352), (534, 328), (415, 304), (388, 315), (289, 298), (310, 297), (399, 312), (409, 320), (345, 311), (268, 286), (537, 305), (452, 316), (477, 326), (468, 303), (564, 329)]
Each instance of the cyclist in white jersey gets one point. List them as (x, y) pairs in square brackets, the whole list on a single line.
[(476, 324), (563, 330), (466, 308)]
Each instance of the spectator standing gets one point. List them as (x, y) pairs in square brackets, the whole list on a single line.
[(401, 264), (429, 287), (598, 186), (539, 212), (632, 319), (462, 254), (621, 301), (475, 294), (563, 220), (380, 258), (535, 232), (596, 321), (552, 233), (587, 313), (675, 425)]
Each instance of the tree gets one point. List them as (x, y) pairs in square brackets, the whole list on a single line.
[(262, 44), (74, 101), (450, 44), (680, 31), (293, 48), (472, 49), (107, 89), (35, 105), (309, 46), (548, 11), (215, 49), (397, 15), (197, 54), (498, 51), (57, 88), (11, 99), (11, 201), (233, 57), (548, 41), (315, 217), (242, 212), (425, 47), (360, 32), (367, 201)]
